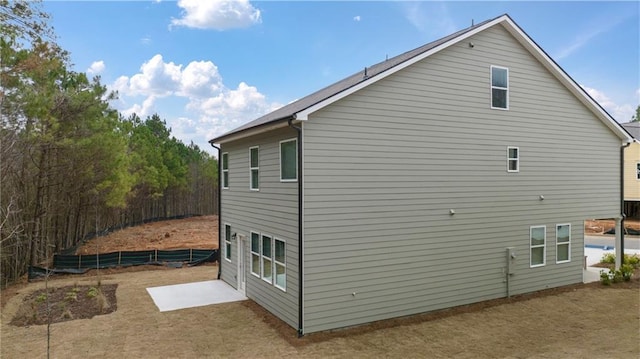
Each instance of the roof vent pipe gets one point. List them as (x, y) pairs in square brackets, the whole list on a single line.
[(365, 72)]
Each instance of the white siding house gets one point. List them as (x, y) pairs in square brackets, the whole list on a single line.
[(454, 173)]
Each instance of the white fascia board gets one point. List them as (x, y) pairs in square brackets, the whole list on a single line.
[(564, 78), (304, 114)]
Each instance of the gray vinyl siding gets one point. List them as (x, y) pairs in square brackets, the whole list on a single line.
[(384, 166), (272, 211)]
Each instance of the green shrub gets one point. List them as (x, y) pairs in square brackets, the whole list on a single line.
[(633, 260), (609, 258), (626, 270), (616, 276)]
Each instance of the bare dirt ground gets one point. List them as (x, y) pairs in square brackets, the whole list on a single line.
[(584, 321), (195, 232), (579, 321), (602, 225)]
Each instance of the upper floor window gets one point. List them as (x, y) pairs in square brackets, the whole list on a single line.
[(638, 170), (289, 160), (225, 170), (499, 87), (254, 168), (513, 159)]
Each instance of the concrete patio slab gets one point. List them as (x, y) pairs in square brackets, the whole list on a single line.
[(197, 294)]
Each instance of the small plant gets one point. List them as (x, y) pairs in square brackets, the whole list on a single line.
[(93, 292), (633, 260), (41, 298), (609, 258), (71, 296), (626, 271), (616, 276)]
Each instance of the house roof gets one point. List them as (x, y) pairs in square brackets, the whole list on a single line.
[(633, 128), (300, 109)]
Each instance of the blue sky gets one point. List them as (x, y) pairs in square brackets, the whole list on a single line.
[(209, 66)]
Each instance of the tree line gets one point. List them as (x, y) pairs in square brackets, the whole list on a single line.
[(71, 165)]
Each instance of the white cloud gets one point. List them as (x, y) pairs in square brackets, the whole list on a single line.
[(357, 18), (217, 14), (620, 112), (142, 110), (96, 67), (429, 18), (202, 105)]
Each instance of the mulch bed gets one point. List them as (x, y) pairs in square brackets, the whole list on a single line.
[(66, 303)]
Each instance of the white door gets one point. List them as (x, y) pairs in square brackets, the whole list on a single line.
[(242, 241)]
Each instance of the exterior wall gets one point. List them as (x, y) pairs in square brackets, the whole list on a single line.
[(273, 210), (384, 167), (631, 180)]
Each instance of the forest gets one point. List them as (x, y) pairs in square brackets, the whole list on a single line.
[(70, 165)]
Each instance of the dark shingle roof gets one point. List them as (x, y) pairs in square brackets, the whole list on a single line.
[(633, 128), (286, 112)]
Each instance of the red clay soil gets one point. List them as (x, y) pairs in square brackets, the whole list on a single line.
[(599, 226), (195, 232)]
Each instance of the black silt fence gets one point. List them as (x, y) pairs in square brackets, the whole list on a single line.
[(130, 258)]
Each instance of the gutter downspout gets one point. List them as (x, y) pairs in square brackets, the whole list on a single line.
[(622, 148), (300, 254), (219, 209)]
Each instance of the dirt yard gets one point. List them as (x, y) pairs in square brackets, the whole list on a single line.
[(586, 321), (582, 321), (195, 232), (602, 225)]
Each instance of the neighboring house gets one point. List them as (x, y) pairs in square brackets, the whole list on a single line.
[(632, 172), (458, 172)]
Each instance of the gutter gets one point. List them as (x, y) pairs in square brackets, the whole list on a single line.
[(300, 247), (622, 201), (219, 208)]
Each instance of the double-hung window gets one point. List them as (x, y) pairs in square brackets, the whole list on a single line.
[(289, 160), (255, 254), (280, 264), (638, 170), (537, 237), (227, 242), (563, 243), (225, 170), (513, 159), (266, 259), (499, 88), (254, 168)]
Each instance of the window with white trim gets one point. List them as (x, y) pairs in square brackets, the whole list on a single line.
[(638, 170), (254, 168), (513, 159), (225, 170), (537, 239), (499, 87), (255, 254), (266, 256), (289, 160), (227, 242), (563, 243), (280, 264)]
